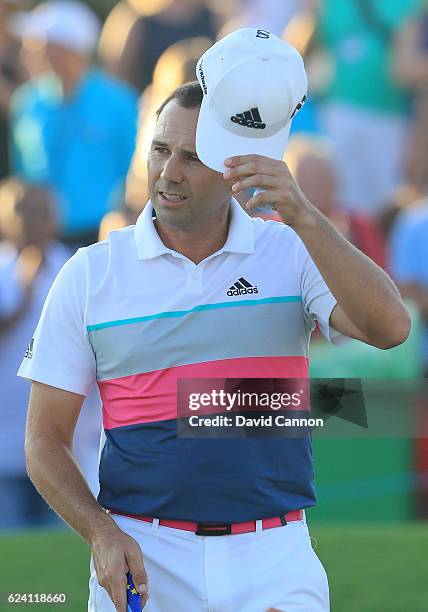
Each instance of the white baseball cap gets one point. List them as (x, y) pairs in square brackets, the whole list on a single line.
[(67, 23), (253, 84)]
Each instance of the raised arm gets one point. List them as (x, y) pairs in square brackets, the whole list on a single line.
[(369, 307)]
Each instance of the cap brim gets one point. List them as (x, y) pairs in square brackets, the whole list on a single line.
[(214, 144)]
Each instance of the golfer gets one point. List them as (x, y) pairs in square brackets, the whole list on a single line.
[(198, 289)]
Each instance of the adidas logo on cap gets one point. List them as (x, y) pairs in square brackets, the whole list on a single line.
[(242, 287), (249, 119)]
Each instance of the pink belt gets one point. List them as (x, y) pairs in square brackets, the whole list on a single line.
[(217, 529)]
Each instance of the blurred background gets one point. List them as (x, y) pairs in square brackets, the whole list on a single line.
[(79, 84)]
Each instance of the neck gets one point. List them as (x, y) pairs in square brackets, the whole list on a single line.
[(69, 82), (72, 74), (199, 242)]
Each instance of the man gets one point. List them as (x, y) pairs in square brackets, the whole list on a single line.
[(314, 166), (369, 125), (203, 291), (30, 258), (73, 126)]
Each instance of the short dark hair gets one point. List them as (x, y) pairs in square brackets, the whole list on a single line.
[(188, 95)]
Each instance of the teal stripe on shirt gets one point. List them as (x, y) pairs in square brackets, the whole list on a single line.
[(270, 330), (199, 308)]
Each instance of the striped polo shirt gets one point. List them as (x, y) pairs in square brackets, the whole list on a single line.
[(134, 317)]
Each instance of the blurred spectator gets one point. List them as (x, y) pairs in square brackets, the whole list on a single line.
[(300, 28), (405, 198), (409, 262), (30, 258), (271, 15), (365, 108), (114, 220), (73, 127), (411, 68), (11, 75), (313, 164), (134, 37), (299, 32)]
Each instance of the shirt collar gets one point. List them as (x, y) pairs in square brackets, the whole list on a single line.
[(239, 240)]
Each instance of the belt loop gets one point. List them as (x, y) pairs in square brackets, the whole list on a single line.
[(259, 526), (155, 525)]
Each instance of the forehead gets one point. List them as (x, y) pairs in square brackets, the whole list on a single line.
[(177, 126)]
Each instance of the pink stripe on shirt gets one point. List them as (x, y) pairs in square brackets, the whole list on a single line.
[(152, 396)]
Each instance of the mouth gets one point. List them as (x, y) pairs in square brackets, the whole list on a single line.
[(171, 200)]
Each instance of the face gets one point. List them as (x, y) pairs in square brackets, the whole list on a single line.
[(59, 58), (317, 181), (37, 218), (185, 193)]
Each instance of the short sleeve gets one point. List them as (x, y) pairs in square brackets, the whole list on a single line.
[(59, 354), (318, 301)]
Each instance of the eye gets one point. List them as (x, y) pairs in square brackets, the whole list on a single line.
[(159, 149), (194, 158)]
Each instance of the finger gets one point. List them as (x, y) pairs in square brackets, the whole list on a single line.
[(263, 198), (117, 592), (236, 160), (256, 180), (256, 166), (144, 599), (135, 562)]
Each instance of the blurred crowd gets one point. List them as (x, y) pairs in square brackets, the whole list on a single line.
[(78, 90)]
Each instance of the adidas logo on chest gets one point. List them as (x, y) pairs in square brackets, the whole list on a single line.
[(242, 287)]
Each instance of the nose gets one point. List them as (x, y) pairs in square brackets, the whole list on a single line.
[(172, 169)]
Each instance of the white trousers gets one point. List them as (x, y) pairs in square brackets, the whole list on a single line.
[(250, 572)]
